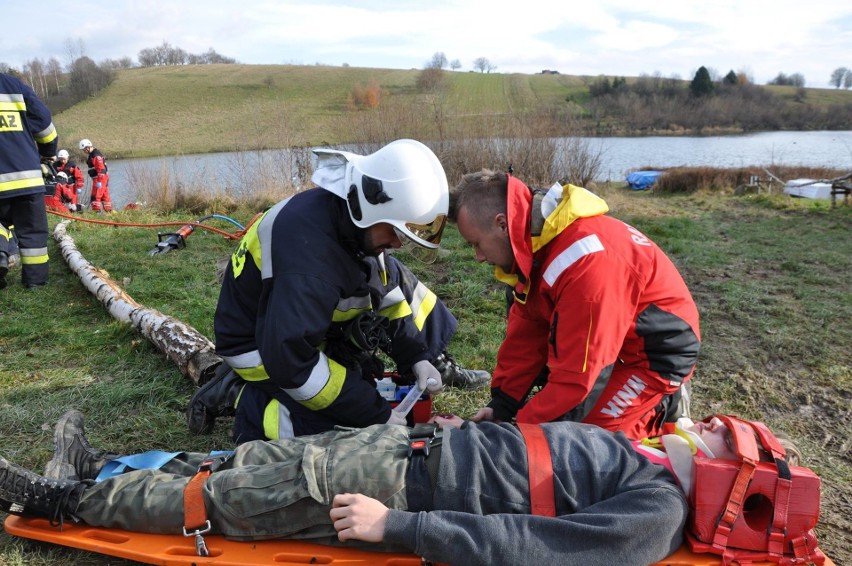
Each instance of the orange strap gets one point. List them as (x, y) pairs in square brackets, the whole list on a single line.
[(540, 470), (194, 511)]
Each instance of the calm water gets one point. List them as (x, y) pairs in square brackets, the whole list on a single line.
[(620, 155)]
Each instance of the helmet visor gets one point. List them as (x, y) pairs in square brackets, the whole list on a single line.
[(430, 234)]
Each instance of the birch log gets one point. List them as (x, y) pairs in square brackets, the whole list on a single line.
[(192, 352)]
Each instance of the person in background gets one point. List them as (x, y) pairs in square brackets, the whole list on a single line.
[(311, 294), (98, 171), (467, 501), (27, 136), (597, 305), (64, 164)]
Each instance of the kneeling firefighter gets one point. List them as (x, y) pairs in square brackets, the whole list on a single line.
[(310, 295)]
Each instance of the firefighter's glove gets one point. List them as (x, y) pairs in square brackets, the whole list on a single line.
[(396, 418), (428, 377)]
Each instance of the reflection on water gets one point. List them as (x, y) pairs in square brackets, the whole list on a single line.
[(240, 171)]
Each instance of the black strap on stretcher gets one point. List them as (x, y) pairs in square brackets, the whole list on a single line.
[(418, 484)]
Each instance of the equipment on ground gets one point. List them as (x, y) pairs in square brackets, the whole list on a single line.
[(172, 240)]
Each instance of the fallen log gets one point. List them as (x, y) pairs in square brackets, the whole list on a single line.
[(192, 352)]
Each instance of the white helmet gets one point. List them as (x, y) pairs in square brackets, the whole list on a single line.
[(63, 154), (62, 178), (402, 184), (84, 143)]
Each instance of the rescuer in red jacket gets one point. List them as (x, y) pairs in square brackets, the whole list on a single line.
[(100, 179), (64, 164), (596, 303)]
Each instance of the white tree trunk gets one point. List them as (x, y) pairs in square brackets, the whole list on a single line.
[(193, 353)]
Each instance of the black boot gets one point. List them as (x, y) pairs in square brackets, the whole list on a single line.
[(453, 375), (73, 456), (216, 398), (28, 494), (4, 268)]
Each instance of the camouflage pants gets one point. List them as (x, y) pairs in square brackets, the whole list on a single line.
[(276, 489)]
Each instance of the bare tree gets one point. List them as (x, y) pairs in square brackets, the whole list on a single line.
[(455, 65), (838, 77), (74, 50), (439, 61), (847, 80), (54, 69), (483, 65)]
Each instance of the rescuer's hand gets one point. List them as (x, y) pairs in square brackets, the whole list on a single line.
[(396, 418), (484, 414), (428, 377), (358, 517)]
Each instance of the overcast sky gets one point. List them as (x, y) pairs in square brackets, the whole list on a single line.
[(612, 37)]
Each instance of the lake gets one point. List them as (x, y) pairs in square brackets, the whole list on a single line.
[(620, 155)]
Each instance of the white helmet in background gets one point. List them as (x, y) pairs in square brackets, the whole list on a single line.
[(62, 178), (84, 143), (63, 154), (402, 184)]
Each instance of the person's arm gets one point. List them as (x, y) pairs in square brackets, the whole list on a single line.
[(291, 327), (40, 123), (595, 302)]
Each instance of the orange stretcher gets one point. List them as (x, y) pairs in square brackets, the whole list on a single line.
[(176, 550)]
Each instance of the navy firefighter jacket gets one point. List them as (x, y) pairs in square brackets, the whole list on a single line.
[(26, 134), (294, 281)]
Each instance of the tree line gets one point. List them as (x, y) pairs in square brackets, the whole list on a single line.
[(61, 87)]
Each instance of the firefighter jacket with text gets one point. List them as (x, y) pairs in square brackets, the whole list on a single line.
[(294, 283), (27, 134), (599, 305)]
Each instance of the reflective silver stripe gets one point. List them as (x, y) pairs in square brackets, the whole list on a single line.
[(244, 361), (33, 252), (285, 423), (316, 381), (395, 297), (574, 252), (354, 303), (264, 234), (421, 291), (20, 175), (11, 97), (46, 133)]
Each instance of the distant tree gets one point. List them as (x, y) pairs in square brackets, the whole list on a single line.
[(702, 84), (455, 64), (483, 65), (430, 79), (731, 78), (838, 76), (847, 80), (86, 78), (439, 61), (796, 79)]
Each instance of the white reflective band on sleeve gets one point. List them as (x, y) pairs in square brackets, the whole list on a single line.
[(316, 381), (395, 297), (580, 248), (421, 291), (244, 361)]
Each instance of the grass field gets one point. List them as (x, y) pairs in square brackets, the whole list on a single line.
[(769, 274)]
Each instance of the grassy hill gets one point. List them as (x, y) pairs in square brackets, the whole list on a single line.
[(206, 108)]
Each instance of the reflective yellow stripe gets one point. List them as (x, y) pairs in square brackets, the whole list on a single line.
[(330, 391), (399, 310), (47, 135), (33, 256), (21, 184), (350, 307), (257, 373), (270, 420), (422, 305)]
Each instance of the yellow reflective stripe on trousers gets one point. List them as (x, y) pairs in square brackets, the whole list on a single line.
[(422, 304), (33, 256), (276, 421), (323, 385)]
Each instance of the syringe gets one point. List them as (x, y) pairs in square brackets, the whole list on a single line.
[(411, 398)]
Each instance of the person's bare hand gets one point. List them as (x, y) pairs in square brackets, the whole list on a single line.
[(358, 517), (484, 414), (447, 421)]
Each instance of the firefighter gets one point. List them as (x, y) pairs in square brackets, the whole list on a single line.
[(64, 164), (595, 302), (27, 136), (310, 293), (100, 178)]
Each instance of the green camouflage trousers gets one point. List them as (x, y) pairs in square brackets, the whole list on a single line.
[(277, 489)]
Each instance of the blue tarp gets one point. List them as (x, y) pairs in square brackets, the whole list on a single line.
[(641, 180)]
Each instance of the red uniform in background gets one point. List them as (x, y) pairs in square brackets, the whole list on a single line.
[(100, 178), (75, 180)]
